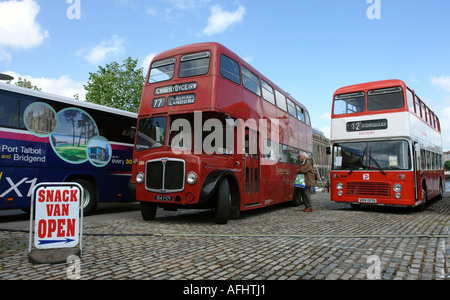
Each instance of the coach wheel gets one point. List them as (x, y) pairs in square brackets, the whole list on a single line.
[(223, 205), (421, 207), (148, 211), (90, 196), (441, 191)]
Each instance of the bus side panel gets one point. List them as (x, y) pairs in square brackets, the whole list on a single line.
[(28, 160)]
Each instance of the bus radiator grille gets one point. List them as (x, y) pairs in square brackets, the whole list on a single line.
[(165, 175), (369, 189)]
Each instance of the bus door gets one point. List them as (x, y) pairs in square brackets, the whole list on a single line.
[(252, 168), (417, 163)]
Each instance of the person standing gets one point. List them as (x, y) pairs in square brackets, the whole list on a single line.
[(306, 169)]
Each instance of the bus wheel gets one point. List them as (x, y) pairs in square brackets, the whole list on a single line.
[(441, 191), (90, 196), (422, 206), (148, 211), (223, 205)]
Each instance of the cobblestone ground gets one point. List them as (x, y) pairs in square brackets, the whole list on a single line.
[(280, 243)]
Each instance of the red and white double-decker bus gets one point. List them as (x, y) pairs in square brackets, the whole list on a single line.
[(215, 133), (386, 146)]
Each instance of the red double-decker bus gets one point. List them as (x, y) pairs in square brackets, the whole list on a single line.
[(215, 133), (387, 146)]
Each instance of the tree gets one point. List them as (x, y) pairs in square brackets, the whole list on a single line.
[(117, 86), (22, 82), (447, 165)]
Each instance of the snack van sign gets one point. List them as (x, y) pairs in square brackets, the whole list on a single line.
[(57, 221)]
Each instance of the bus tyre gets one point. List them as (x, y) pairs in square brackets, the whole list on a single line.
[(223, 205), (90, 197), (148, 211), (422, 206)]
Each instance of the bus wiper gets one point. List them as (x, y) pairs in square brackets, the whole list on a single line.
[(351, 171), (378, 165)]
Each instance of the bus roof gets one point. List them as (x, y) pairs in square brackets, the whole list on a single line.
[(217, 47), (56, 98), (370, 86)]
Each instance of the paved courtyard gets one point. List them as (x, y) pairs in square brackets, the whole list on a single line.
[(277, 243)]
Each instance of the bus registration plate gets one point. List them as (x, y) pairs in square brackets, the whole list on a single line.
[(164, 198), (371, 201)]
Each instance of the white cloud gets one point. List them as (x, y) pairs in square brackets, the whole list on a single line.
[(62, 86), (106, 49), (151, 11), (325, 116), (327, 131), (5, 55), (220, 20), (146, 62), (443, 82), (188, 4), (18, 26)]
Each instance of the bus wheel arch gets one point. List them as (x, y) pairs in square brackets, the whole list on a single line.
[(221, 188), (421, 206), (90, 192)]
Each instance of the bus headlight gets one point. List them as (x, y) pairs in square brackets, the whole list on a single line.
[(340, 193), (398, 196), (191, 178), (340, 186), (398, 188), (140, 178)]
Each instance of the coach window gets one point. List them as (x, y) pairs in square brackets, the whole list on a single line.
[(195, 64), (291, 108), (384, 99), (300, 114), (281, 100), (12, 111), (230, 69), (349, 103), (429, 165), (294, 154), (410, 97), (418, 110), (423, 159), (162, 70), (424, 112), (151, 133), (251, 81), (270, 150), (284, 154), (267, 92), (307, 118)]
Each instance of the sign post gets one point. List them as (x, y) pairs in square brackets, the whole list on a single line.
[(57, 229)]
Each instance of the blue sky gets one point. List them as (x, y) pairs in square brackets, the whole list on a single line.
[(308, 48)]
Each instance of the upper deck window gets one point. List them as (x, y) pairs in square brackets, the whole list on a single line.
[(301, 114), (384, 99), (162, 70), (230, 69), (291, 108), (251, 81), (195, 64), (349, 103), (267, 92), (281, 100)]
